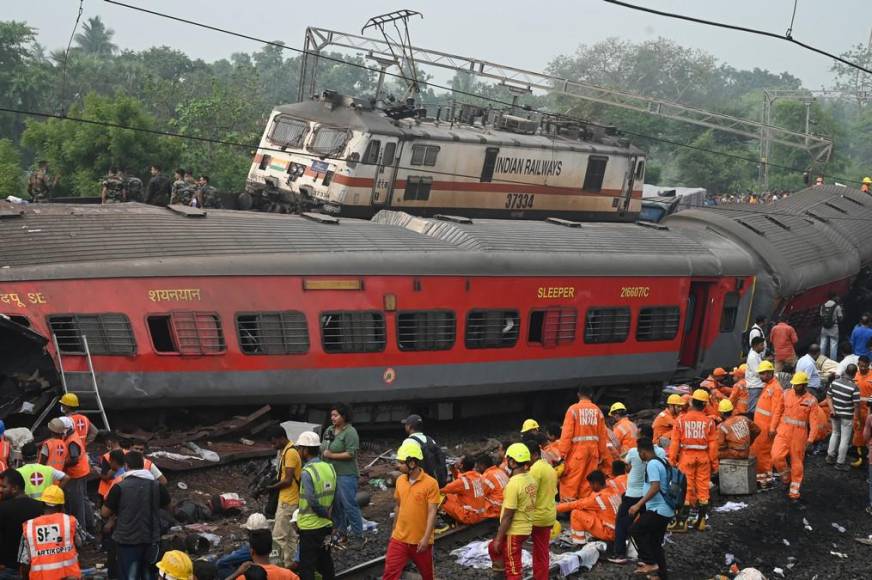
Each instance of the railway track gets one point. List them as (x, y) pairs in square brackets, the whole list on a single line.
[(454, 537)]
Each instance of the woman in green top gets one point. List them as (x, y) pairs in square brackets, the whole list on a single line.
[(339, 448)]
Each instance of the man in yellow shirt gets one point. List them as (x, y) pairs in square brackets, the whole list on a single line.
[(288, 486), (417, 497), (516, 518), (545, 514)]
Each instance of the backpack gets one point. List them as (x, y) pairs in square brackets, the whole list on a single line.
[(828, 316), (676, 485), (434, 458)]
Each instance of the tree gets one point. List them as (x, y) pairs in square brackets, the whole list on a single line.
[(24, 75), (717, 173), (11, 176), (95, 38)]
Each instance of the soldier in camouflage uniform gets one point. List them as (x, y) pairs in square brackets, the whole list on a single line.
[(113, 187), (132, 188), (40, 183), (181, 193), (207, 194)]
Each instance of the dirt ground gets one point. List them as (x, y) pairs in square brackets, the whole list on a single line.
[(768, 534)]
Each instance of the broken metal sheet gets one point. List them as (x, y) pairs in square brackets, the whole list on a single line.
[(294, 428), (29, 380), (228, 452)]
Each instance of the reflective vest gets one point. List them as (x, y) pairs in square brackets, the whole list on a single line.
[(51, 542), (36, 478), (106, 485), (57, 453), (324, 482), (81, 468), (81, 425)]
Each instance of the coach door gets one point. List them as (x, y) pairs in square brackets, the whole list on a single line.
[(694, 323), (629, 183), (386, 173)]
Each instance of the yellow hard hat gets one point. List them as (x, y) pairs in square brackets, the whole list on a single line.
[(529, 425), (70, 400), (867, 180), (674, 400), (700, 395), (52, 495), (177, 564), (519, 452), (799, 378), (725, 406), (555, 531), (765, 366), (743, 367), (619, 406), (410, 449)]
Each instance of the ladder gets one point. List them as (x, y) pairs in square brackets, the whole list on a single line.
[(87, 391)]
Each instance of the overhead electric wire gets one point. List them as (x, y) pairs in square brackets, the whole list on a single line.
[(447, 88), (63, 104), (788, 37)]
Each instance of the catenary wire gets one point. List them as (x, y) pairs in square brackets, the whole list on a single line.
[(62, 106), (461, 92), (787, 37), (249, 146), (789, 33)]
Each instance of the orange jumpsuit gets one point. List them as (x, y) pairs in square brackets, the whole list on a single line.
[(494, 480), (713, 385), (739, 397), (694, 448), (596, 514), (626, 432), (768, 413), (792, 437), (734, 437), (465, 498), (864, 383), (618, 484), (663, 426), (583, 446)]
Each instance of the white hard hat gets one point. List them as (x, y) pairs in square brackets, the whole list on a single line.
[(308, 439), (256, 521), (68, 423)]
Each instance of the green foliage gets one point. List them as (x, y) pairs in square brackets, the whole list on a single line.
[(11, 176)]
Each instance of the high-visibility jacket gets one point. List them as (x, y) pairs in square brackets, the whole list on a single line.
[(36, 478), (626, 432), (51, 543), (57, 453), (469, 490), (735, 435), (583, 426), (618, 484), (694, 432), (739, 397), (769, 406), (662, 425), (81, 425), (105, 484), (794, 420), (494, 480), (81, 468), (323, 476)]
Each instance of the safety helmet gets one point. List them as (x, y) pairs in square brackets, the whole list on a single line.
[(308, 439), (700, 395), (68, 423), (867, 180), (725, 406), (765, 366), (529, 425), (410, 450), (177, 564), (70, 400), (52, 495), (674, 400), (719, 372), (256, 521), (519, 452), (619, 406), (57, 426), (799, 378), (555, 531)]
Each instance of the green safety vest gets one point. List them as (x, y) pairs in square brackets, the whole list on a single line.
[(36, 478), (324, 481)]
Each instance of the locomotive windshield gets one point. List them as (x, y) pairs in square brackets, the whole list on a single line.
[(288, 132), (329, 141)]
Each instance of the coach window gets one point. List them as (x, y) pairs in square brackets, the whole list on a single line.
[(730, 312), (187, 333), (552, 327), (426, 330), (370, 157), (289, 132), (389, 152), (596, 171), (424, 155), (264, 162), (604, 325), (328, 141), (418, 188), (272, 333), (107, 334), (640, 170), (492, 328), (660, 323), (347, 332)]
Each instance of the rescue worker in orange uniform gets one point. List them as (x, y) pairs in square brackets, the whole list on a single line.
[(766, 417), (863, 379), (551, 451), (664, 421), (77, 468), (694, 448), (48, 550), (739, 394), (623, 428), (714, 382), (794, 432), (83, 426), (494, 480), (618, 481), (54, 449), (715, 397), (582, 445), (735, 433), (465, 500), (5, 447), (595, 515)]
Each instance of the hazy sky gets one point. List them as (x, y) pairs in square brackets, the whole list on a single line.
[(519, 33)]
